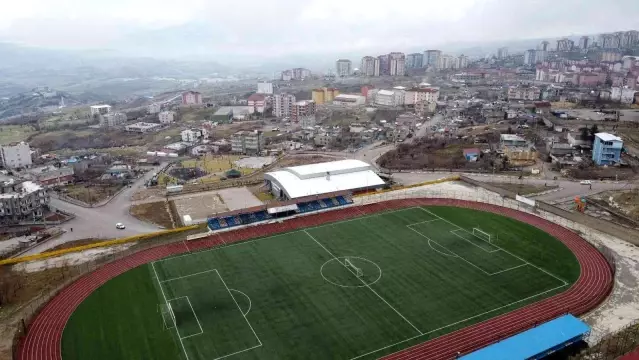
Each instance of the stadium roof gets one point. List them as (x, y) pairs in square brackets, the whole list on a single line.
[(322, 178), (529, 344)]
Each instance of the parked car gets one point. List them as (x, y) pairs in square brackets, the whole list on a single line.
[(585, 182), (120, 226)]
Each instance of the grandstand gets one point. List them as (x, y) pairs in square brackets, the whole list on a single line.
[(323, 178)]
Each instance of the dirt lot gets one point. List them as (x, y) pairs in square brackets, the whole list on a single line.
[(625, 202), (153, 212), (524, 189), (90, 194), (200, 205)]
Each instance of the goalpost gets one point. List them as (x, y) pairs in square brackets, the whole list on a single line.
[(482, 235), (354, 269), (168, 316)]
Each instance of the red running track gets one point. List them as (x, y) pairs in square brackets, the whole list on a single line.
[(43, 340)]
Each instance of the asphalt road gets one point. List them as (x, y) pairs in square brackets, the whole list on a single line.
[(100, 222)]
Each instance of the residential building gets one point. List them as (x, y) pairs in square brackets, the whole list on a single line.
[(630, 39), (606, 149), (300, 73), (193, 135), (257, 103), (584, 42), (154, 108), (397, 64), (387, 98), (304, 113), (610, 56), (523, 93), (414, 61), (265, 88), (167, 117), (370, 66), (349, 100), (511, 140), (416, 96), (191, 98), (283, 105), (432, 58), (323, 95), (287, 75), (529, 57), (343, 67), (565, 45), (502, 53), (623, 95), (15, 155), (247, 142), (323, 139), (540, 56), (576, 140), (384, 64), (544, 45), (100, 109), (21, 201), (446, 62), (461, 62), (112, 119), (142, 127), (50, 176)]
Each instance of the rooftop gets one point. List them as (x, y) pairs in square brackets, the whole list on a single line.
[(607, 137), (385, 92)]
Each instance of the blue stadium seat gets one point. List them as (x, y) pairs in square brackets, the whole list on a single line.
[(341, 200)]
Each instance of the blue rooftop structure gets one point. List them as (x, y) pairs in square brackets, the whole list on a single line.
[(535, 343)]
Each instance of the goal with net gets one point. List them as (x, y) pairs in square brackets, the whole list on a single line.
[(168, 316), (348, 263), (482, 235)]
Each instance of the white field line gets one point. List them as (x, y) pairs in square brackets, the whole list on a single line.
[(454, 232), (423, 222), (510, 268), (189, 275), (249, 299), (238, 352), (167, 305), (507, 252), (460, 321), (238, 307), (364, 282), (431, 246), (196, 319), (283, 234)]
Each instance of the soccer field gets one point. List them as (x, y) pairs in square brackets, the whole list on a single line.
[(356, 289)]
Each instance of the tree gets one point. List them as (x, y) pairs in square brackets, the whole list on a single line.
[(504, 163), (593, 130), (584, 133)]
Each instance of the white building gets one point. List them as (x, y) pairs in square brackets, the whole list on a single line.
[(256, 103), (100, 109), (247, 142), (523, 93), (397, 64), (349, 100), (370, 66), (323, 178), (112, 119), (419, 96), (142, 127), (283, 105), (265, 88), (154, 108), (446, 62), (622, 95), (530, 57), (343, 67), (432, 58), (386, 98), (166, 117), (461, 62), (16, 155), (193, 135)]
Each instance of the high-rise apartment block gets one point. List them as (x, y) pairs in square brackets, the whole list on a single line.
[(15, 155), (502, 53), (432, 58), (397, 64), (283, 105), (343, 67), (370, 66), (414, 61)]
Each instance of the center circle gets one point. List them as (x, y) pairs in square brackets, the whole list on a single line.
[(341, 271)]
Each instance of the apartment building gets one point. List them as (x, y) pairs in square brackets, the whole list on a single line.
[(21, 201), (324, 95), (256, 103), (193, 135), (432, 58), (370, 66), (167, 117), (606, 149), (523, 93), (100, 109), (191, 98), (15, 155), (304, 113), (283, 105), (247, 142), (343, 67), (154, 108), (112, 119), (265, 88), (397, 64), (414, 61)]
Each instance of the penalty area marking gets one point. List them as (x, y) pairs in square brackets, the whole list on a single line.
[(363, 282), (246, 296)]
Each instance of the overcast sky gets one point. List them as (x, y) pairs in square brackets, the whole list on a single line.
[(282, 27)]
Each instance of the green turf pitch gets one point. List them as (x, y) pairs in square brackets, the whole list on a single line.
[(412, 275)]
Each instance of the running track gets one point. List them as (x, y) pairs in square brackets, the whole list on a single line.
[(44, 335)]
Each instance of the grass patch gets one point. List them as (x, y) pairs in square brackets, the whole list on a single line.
[(292, 294), (14, 133), (211, 163)]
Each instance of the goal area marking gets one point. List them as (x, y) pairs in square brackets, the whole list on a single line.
[(172, 315)]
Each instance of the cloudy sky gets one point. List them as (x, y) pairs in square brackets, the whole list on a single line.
[(283, 27)]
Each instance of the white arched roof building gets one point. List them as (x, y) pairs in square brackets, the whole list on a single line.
[(316, 179)]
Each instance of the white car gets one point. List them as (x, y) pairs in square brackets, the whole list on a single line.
[(120, 226), (585, 182)]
